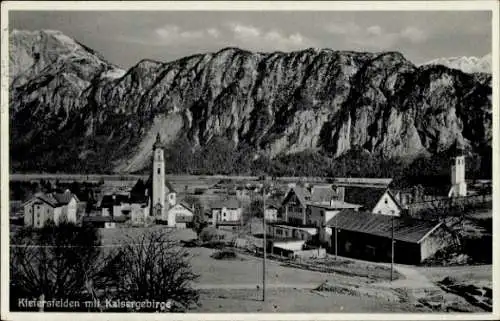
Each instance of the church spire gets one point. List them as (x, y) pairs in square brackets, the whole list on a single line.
[(157, 143)]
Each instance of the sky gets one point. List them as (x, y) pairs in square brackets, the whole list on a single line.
[(126, 37)]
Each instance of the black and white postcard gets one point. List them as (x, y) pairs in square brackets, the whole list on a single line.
[(249, 160)]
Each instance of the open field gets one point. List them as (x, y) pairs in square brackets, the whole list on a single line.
[(298, 301), (477, 274)]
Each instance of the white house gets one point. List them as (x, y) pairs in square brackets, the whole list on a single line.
[(373, 199), (183, 214), (226, 211)]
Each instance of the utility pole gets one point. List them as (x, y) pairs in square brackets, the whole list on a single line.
[(265, 243), (392, 245), (336, 236)]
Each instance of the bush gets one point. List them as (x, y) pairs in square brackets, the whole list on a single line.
[(225, 254), (209, 234), (191, 243)]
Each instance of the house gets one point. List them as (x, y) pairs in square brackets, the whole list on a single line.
[(103, 221), (56, 207), (183, 213), (302, 205), (368, 236), (373, 199), (122, 205), (271, 212), (226, 212), (113, 204)]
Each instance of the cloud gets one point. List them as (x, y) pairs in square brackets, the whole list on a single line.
[(255, 38), (175, 34), (375, 37), (172, 35), (413, 34)]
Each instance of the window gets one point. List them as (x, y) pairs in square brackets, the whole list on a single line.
[(158, 170), (385, 201)]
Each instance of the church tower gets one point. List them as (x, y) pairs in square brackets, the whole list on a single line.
[(458, 184), (158, 193)]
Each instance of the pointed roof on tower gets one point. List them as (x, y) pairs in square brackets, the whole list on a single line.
[(457, 148), (157, 143)]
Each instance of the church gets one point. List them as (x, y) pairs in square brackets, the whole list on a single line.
[(157, 192)]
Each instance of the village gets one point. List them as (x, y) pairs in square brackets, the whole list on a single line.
[(293, 220)]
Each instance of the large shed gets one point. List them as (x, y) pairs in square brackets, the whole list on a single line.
[(368, 236)]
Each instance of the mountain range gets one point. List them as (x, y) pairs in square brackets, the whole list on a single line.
[(465, 64), (72, 109)]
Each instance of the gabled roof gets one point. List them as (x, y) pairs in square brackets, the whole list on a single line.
[(53, 199), (108, 200), (302, 194), (368, 197), (334, 205), (322, 193), (64, 198), (229, 203), (405, 229)]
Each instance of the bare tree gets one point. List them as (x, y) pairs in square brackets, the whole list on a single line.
[(55, 262), (154, 267)]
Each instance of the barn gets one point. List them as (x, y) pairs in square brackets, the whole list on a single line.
[(368, 236)]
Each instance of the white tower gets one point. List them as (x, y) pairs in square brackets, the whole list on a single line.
[(458, 184), (158, 194)]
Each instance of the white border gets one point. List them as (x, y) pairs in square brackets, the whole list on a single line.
[(242, 6)]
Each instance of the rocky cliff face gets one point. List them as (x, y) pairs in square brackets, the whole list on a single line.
[(67, 98)]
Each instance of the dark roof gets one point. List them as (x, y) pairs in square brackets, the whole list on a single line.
[(322, 193), (365, 196), (405, 229), (157, 143), (302, 194), (333, 205), (55, 199), (186, 204), (63, 198), (229, 203), (108, 200), (97, 219), (457, 148)]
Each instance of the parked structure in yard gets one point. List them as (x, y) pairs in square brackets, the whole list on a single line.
[(368, 236), (56, 207)]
